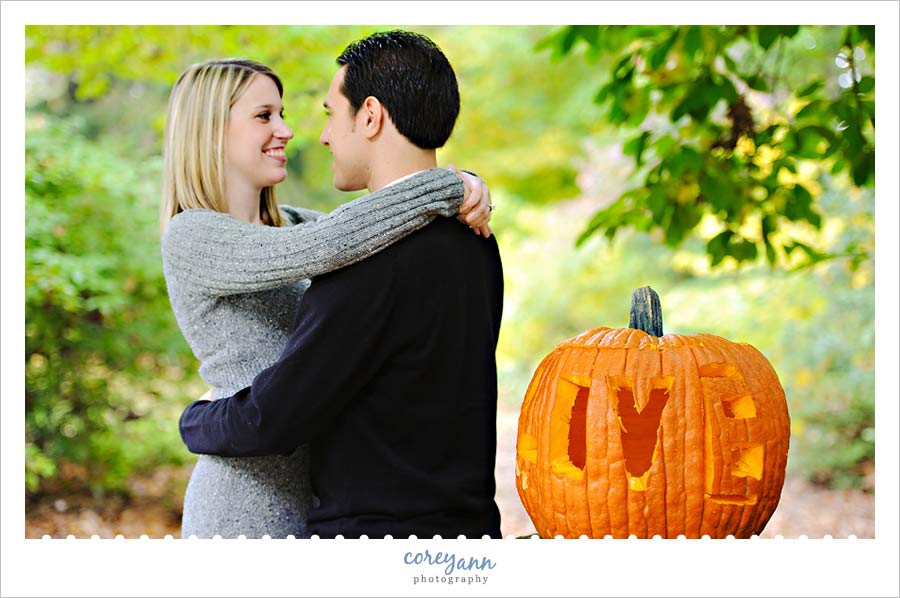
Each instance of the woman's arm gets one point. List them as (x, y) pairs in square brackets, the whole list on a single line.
[(475, 211), (223, 255), (299, 215)]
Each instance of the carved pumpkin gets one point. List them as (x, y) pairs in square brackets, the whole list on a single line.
[(625, 432)]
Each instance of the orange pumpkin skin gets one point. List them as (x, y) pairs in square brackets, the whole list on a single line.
[(623, 433)]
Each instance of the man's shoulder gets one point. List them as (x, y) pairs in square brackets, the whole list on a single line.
[(446, 231), (433, 246)]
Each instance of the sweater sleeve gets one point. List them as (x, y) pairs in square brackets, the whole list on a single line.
[(221, 255), (296, 215), (337, 348)]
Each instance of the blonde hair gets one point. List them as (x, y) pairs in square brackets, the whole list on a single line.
[(194, 155)]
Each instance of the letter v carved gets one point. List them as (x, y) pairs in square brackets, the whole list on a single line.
[(639, 416)]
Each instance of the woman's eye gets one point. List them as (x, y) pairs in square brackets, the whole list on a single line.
[(265, 116)]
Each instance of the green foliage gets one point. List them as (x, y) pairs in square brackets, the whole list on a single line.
[(102, 354), (122, 75), (733, 126), (832, 395)]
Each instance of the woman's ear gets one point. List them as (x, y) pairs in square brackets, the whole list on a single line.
[(373, 116)]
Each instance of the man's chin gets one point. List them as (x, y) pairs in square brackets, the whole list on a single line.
[(347, 186)]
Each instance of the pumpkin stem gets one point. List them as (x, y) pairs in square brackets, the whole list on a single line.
[(646, 313)]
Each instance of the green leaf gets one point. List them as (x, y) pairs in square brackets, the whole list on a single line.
[(799, 206), (768, 225), (717, 247), (659, 53), (605, 91), (692, 41), (766, 35), (742, 250), (810, 89), (636, 146), (664, 144), (637, 105), (868, 109), (730, 63), (548, 42), (812, 110), (657, 203), (805, 142), (788, 164), (569, 37), (697, 101), (715, 191), (589, 33), (864, 168), (757, 82), (787, 30), (838, 166), (624, 68), (726, 90), (771, 257), (602, 218), (685, 218), (561, 42), (867, 32), (767, 135), (866, 84), (92, 88)]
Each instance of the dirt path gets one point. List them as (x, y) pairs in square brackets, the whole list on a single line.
[(156, 509)]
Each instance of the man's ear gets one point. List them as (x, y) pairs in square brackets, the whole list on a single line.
[(372, 114)]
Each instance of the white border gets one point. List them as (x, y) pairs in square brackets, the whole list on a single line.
[(524, 567)]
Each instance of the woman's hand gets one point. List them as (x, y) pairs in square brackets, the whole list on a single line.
[(476, 208)]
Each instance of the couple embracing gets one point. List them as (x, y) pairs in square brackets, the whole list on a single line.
[(362, 403)]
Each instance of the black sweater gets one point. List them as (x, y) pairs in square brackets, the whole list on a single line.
[(390, 377)]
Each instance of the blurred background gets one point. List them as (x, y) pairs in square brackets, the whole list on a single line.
[(731, 168)]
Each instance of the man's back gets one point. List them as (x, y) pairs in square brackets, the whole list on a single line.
[(413, 451)]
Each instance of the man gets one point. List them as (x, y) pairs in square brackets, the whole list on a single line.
[(390, 373)]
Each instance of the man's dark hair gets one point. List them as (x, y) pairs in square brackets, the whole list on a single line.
[(411, 78)]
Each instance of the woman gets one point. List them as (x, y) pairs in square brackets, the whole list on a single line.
[(236, 265)]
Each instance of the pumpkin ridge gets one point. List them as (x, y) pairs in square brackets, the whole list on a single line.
[(703, 416), (585, 480), (660, 446), (550, 491), (712, 445)]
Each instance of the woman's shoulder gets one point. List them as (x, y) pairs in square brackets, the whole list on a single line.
[(194, 216), (191, 226), (190, 222)]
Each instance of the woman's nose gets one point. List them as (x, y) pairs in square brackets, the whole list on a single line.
[(283, 131)]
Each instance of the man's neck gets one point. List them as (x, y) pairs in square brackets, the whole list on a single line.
[(396, 167)]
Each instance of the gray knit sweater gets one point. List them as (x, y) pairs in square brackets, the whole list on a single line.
[(235, 286)]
